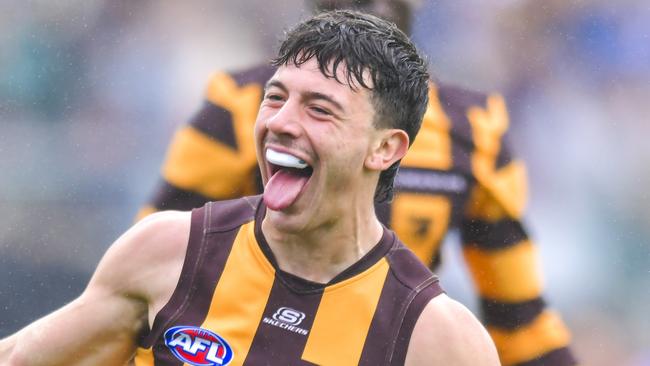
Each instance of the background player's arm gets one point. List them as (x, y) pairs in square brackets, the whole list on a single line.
[(502, 259), (101, 326), (448, 334)]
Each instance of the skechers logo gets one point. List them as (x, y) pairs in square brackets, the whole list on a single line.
[(287, 318), (197, 346)]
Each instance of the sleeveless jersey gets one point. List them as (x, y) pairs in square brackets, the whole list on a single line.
[(234, 306)]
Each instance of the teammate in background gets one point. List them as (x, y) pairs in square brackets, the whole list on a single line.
[(306, 273), (459, 174)]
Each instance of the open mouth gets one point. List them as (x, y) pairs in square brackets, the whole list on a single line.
[(288, 177), (283, 161)]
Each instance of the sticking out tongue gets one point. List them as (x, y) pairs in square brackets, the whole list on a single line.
[(283, 188)]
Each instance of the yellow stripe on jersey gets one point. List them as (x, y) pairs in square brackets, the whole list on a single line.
[(432, 146), (421, 221), (544, 334), (351, 304), (241, 295), (500, 195), (144, 357), (510, 275), (197, 163), (243, 103)]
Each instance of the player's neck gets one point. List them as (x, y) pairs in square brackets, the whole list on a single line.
[(322, 253)]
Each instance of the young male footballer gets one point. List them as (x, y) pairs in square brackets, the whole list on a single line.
[(304, 274)]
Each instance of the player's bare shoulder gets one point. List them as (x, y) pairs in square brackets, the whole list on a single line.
[(447, 333), (146, 261)]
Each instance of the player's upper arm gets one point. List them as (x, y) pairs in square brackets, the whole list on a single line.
[(448, 334), (133, 264)]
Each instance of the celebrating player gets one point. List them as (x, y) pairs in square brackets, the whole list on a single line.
[(304, 274), (459, 174)]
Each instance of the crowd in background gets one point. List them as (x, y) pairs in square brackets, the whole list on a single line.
[(91, 91)]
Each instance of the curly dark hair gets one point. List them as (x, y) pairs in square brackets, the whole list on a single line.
[(366, 46)]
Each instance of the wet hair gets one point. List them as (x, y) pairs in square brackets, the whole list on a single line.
[(374, 55)]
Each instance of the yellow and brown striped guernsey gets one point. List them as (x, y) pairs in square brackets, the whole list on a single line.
[(458, 174), (233, 306)]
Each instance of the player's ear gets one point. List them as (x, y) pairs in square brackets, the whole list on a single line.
[(390, 146)]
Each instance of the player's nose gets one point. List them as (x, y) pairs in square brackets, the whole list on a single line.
[(286, 121)]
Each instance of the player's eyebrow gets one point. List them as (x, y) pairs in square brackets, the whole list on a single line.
[(306, 95), (275, 83)]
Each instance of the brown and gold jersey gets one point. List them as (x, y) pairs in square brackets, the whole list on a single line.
[(234, 306), (458, 174)]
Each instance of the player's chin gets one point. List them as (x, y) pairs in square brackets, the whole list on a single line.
[(286, 222)]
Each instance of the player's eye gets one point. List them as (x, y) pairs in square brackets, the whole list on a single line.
[(320, 110), (274, 97)]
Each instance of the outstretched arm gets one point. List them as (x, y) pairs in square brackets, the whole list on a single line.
[(101, 326), (448, 334)]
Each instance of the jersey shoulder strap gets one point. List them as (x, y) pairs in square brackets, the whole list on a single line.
[(226, 215)]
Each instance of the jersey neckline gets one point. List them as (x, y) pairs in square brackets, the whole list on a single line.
[(300, 284)]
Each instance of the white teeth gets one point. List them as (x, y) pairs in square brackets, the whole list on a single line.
[(284, 160)]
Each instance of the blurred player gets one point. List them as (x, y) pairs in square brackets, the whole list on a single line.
[(458, 174)]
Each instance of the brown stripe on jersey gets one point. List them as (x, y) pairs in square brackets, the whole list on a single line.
[(461, 151), (399, 307), (505, 157), (281, 338), (413, 314), (436, 260), (511, 315), (458, 205), (170, 197), (232, 213), (258, 187), (215, 122), (558, 357), (185, 287), (492, 235), (205, 259), (408, 271), (456, 102)]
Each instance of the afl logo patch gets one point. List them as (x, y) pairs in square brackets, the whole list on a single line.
[(197, 346)]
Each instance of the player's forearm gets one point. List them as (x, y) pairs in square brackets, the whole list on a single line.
[(15, 350), (81, 333)]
